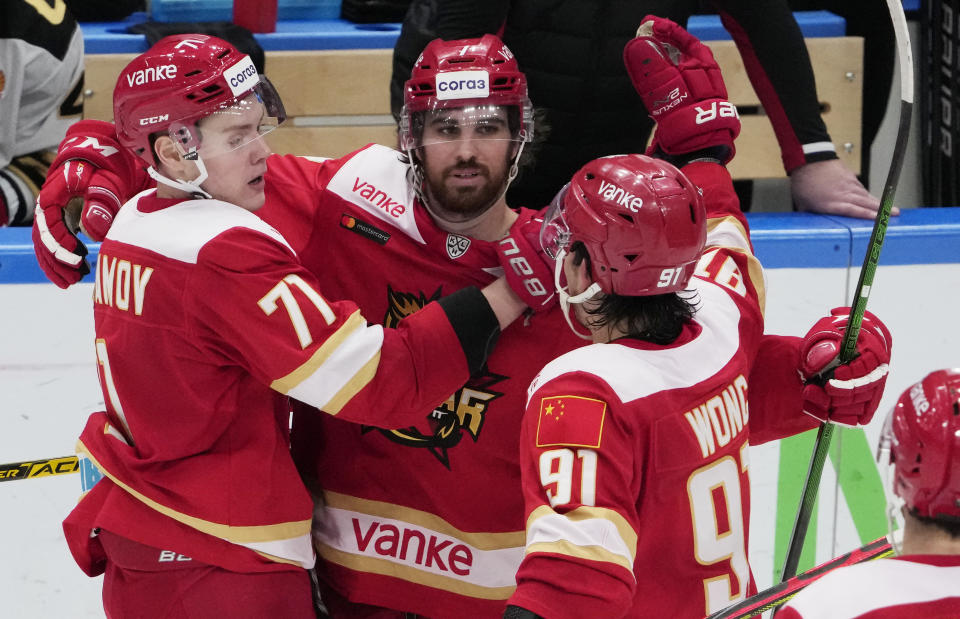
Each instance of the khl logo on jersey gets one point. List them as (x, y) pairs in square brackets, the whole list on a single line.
[(457, 245), (463, 413)]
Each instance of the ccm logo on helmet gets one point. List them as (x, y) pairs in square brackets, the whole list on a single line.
[(152, 74), (242, 76), (463, 85), (152, 120), (617, 194)]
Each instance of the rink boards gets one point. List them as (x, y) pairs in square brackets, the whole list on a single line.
[(48, 384)]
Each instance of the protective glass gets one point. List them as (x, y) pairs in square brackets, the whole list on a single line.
[(554, 232), (467, 122), (233, 125)]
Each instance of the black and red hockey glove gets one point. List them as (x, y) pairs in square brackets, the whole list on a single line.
[(683, 90)]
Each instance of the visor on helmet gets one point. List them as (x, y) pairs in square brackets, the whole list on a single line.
[(454, 121), (554, 232), (233, 125)]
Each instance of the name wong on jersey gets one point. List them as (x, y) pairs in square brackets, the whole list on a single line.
[(721, 418)]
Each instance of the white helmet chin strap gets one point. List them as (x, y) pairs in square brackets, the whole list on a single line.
[(190, 186), (565, 298), (895, 504)]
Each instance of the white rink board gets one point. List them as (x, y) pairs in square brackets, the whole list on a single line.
[(48, 384)]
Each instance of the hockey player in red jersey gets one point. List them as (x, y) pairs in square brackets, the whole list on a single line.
[(427, 519), (634, 450), (361, 224), (205, 322), (920, 447)]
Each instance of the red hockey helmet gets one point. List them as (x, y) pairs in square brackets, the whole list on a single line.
[(465, 73), (180, 80), (642, 221), (922, 433)]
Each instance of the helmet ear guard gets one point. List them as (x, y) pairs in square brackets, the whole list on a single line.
[(921, 442)]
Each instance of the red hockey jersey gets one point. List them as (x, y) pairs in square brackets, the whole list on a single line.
[(427, 518), (635, 455), (204, 319), (907, 587)]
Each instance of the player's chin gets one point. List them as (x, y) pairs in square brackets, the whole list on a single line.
[(253, 197)]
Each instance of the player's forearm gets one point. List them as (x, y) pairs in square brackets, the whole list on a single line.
[(503, 302), (776, 405), (778, 65)]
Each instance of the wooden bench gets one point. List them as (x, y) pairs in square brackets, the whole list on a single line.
[(338, 100)]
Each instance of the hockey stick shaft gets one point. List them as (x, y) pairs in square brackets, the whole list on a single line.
[(39, 468), (858, 307), (782, 592)]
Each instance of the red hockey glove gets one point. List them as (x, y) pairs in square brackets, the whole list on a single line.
[(90, 165), (529, 270), (682, 89), (851, 396)]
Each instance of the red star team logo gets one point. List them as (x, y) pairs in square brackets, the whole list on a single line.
[(462, 414), (570, 420)]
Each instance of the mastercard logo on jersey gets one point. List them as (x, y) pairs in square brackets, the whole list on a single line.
[(364, 229)]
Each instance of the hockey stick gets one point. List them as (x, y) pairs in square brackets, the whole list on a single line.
[(39, 468), (782, 592), (859, 305)]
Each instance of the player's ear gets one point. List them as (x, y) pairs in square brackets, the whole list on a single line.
[(580, 278), (167, 154)]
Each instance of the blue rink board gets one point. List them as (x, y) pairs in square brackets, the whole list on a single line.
[(781, 240), (301, 35)]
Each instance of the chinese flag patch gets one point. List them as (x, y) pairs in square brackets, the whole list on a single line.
[(570, 420)]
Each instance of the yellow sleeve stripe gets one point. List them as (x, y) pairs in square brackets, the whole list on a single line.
[(360, 380), (322, 354), (727, 232), (755, 273), (242, 535), (590, 553), (596, 533)]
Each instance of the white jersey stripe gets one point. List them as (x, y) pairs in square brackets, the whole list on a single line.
[(340, 367), (859, 589), (552, 528), (727, 232), (633, 374), (180, 231), (375, 180), (417, 547)]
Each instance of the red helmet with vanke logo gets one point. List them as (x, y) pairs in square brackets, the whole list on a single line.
[(180, 80), (642, 221), (922, 433), (465, 73)]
